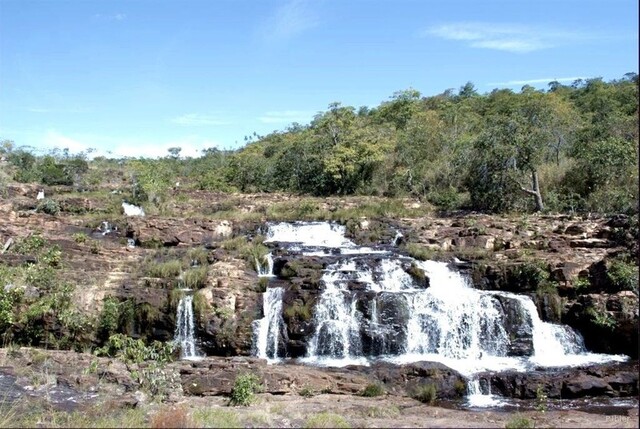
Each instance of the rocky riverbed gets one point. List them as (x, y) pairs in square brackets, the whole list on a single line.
[(572, 268), (291, 396)]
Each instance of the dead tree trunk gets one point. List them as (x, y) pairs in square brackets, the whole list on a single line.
[(535, 191)]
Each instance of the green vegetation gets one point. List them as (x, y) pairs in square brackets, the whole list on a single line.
[(501, 151), (298, 310), (326, 419), (244, 388), (601, 318), (426, 393), (623, 274), (519, 422), (372, 390), (215, 418), (136, 351)]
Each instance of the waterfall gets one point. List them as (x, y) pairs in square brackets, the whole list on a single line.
[(477, 398), (267, 330), (371, 307), (453, 320), (554, 345), (184, 335), (132, 210), (396, 240), (261, 269), (337, 327)]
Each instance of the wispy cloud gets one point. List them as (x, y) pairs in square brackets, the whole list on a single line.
[(286, 116), (195, 119), (111, 17), (55, 140), (53, 110), (504, 37), (288, 20), (535, 81), (191, 145)]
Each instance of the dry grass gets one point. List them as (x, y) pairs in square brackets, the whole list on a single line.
[(174, 417)]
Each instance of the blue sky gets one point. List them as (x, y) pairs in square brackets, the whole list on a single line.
[(136, 77)]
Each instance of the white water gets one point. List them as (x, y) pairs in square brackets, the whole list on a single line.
[(397, 238), (184, 335), (312, 234), (476, 398), (267, 330), (448, 322), (262, 270), (320, 238), (131, 210)]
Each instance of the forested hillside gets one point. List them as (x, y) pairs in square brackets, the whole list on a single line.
[(571, 148)]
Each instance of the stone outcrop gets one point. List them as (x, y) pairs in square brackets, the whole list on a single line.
[(613, 380), (177, 231)]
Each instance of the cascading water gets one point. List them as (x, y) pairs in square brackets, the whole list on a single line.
[(267, 331), (265, 271), (371, 307), (185, 336)]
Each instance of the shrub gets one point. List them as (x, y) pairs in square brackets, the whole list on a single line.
[(372, 390), (306, 392), (136, 351), (426, 393), (168, 269), (623, 275), (80, 237), (109, 317), (244, 388), (48, 206), (195, 278)]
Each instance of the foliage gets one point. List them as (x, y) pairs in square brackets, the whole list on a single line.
[(623, 275), (244, 388), (48, 206), (601, 318), (501, 151), (79, 237), (541, 399), (195, 278), (426, 393), (164, 270), (372, 390), (109, 319), (135, 351)]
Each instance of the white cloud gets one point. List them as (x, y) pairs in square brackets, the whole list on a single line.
[(290, 19), (191, 145), (535, 81), (503, 37), (195, 119), (286, 116), (55, 140), (111, 17)]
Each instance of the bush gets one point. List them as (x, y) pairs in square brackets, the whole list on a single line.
[(244, 388), (623, 275), (195, 278), (372, 390), (168, 269), (426, 393), (48, 206)]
